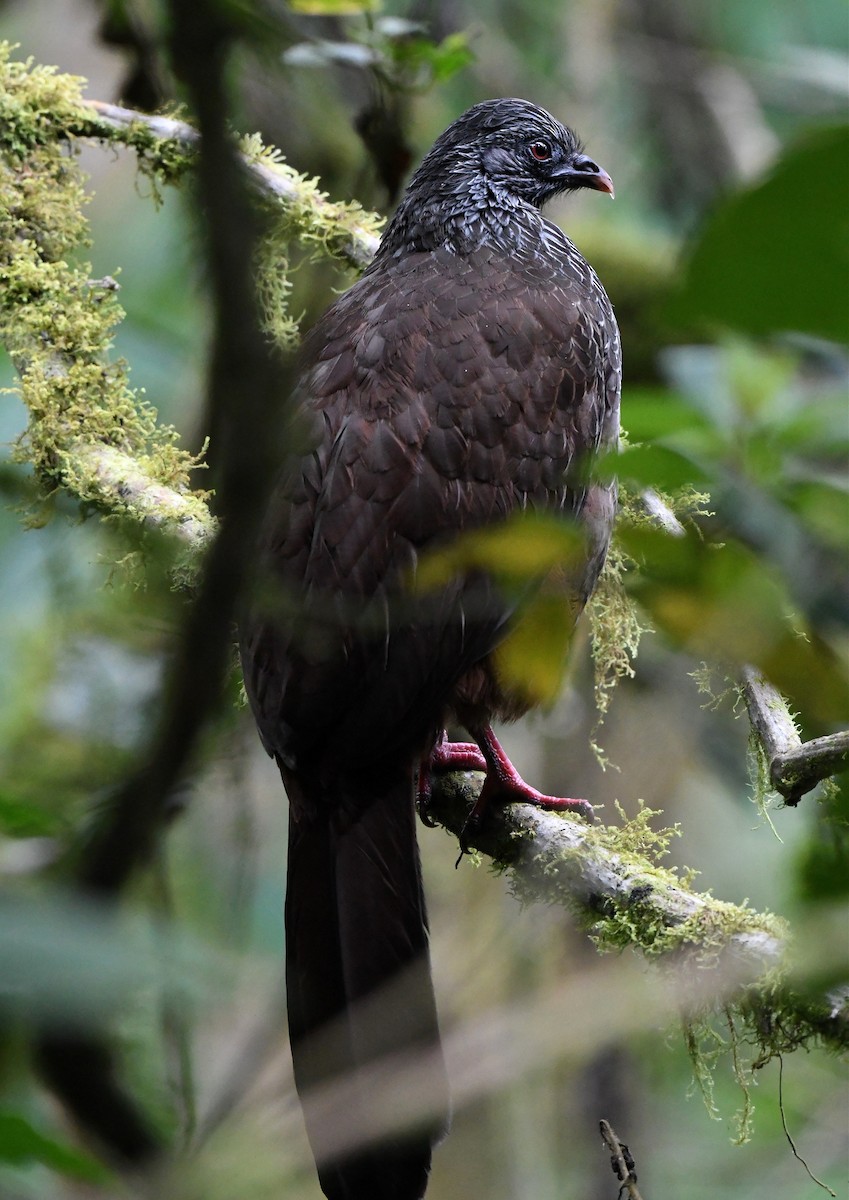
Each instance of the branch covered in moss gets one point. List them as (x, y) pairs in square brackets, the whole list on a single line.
[(794, 767), (346, 231), (604, 875), (609, 878), (89, 431)]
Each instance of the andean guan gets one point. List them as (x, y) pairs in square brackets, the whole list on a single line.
[(468, 374)]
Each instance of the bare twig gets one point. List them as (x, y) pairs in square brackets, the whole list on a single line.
[(621, 1162), (789, 1136), (794, 766)]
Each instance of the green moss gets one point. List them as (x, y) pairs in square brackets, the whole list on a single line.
[(616, 622), (616, 628), (56, 322), (307, 214)]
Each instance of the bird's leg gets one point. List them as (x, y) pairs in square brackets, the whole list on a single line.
[(504, 784)]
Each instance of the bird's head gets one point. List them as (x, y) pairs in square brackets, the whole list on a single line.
[(518, 148)]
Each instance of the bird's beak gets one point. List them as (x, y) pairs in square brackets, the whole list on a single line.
[(580, 171)]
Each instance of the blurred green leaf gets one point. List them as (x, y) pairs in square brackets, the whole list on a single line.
[(775, 257), (333, 8), (533, 657), (723, 604), (20, 819), (442, 59), (824, 506), (650, 414), (655, 466), (21, 1143), (519, 551), (321, 53), (823, 866)]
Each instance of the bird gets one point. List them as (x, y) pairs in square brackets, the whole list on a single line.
[(470, 374)]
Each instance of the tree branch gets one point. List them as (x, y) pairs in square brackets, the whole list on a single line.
[(347, 231), (609, 878), (621, 1162), (603, 874), (794, 766)]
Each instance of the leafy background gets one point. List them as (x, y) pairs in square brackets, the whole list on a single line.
[(724, 127)]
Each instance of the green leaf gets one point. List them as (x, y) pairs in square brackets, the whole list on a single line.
[(532, 658), (21, 1144), (18, 818), (775, 257), (822, 869), (520, 551), (321, 53), (651, 414), (333, 8), (722, 604), (654, 466), (439, 60)]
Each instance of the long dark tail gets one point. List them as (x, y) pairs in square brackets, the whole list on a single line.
[(359, 992)]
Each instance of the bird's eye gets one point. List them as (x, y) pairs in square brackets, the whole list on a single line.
[(541, 151)]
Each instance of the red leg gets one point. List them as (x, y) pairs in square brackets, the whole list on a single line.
[(505, 785)]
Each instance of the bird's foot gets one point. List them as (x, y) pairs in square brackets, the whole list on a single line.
[(444, 757), (503, 783)]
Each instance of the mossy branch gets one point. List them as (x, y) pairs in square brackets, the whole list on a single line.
[(610, 879), (167, 146), (604, 874), (90, 432)]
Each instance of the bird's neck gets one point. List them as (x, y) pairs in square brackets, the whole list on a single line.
[(460, 217)]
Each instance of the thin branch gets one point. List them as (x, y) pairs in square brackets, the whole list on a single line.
[(789, 1136), (621, 1162), (795, 767)]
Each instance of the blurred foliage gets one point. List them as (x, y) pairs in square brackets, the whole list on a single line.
[(398, 51), (775, 257), (735, 387), (21, 1143)]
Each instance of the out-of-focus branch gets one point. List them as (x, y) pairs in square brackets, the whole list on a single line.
[(245, 418), (794, 766), (621, 1162)]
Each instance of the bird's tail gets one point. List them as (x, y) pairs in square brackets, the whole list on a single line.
[(362, 1014)]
